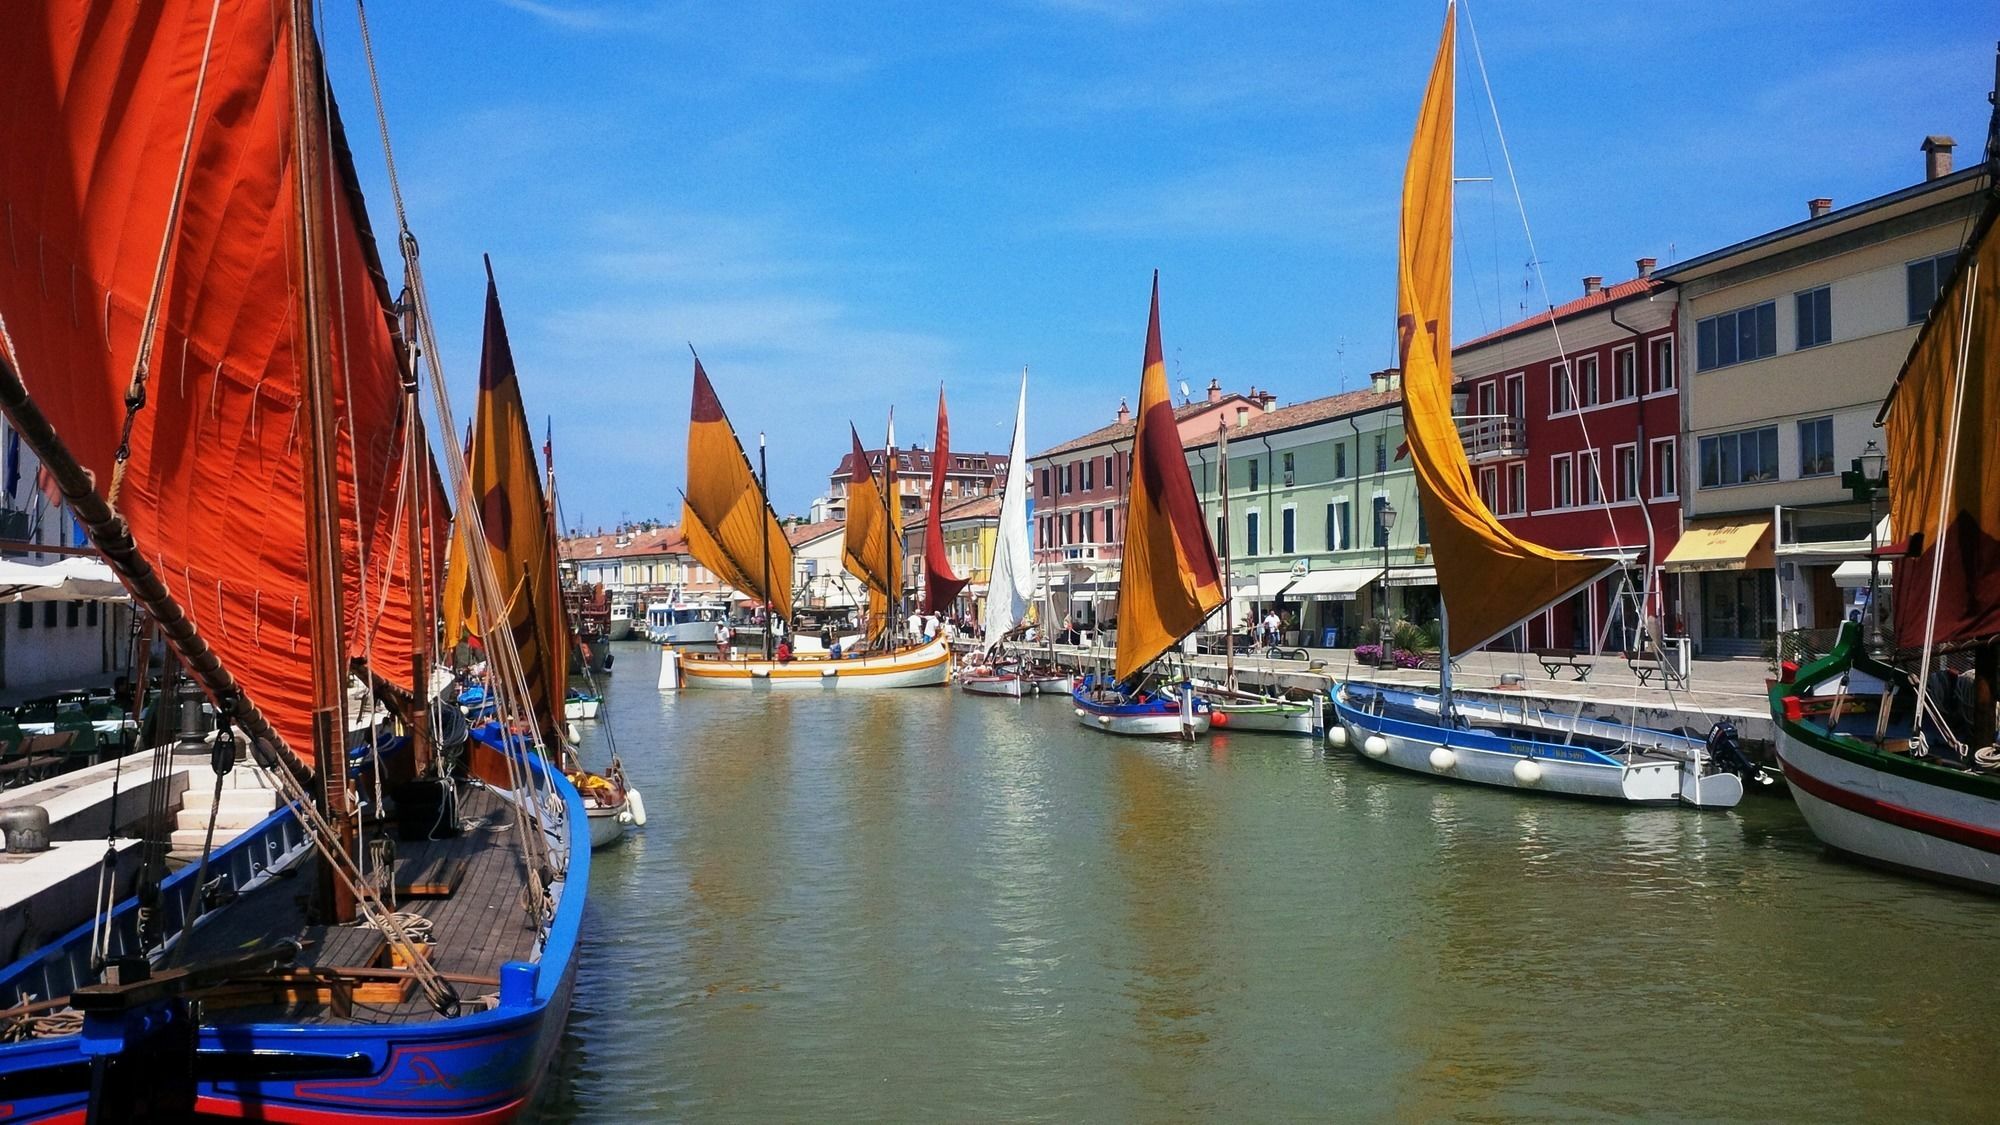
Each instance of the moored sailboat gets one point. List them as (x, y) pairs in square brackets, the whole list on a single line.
[(1489, 579), (208, 427), (1896, 762), (1168, 582), (1010, 578)]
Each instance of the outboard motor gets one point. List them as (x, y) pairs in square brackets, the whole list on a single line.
[(1725, 749)]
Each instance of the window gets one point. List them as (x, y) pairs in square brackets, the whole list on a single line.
[(1423, 526), (1488, 403), (1586, 381), (1666, 474), (1110, 525), (1375, 525), (1222, 535), (48, 615), (1381, 453), (1926, 280), (1743, 457), (1046, 490), (1065, 479), (1339, 531), (1110, 471), (1287, 529), (75, 615), (1625, 472), (1815, 316), (1090, 474), (1559, 400), (1624, 374), (1250, 533), (1086, 527), (1517, 396), (1256, 469), (1738, 336), (90, 613), (27, 620), (1489, 488), (1517, 487), (1816, 447), (1589, 477), (1663, 364), (1561, 482), (1288, 468), (1339, 460)]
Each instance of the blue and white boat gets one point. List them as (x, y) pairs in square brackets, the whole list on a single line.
[(1101, 703)]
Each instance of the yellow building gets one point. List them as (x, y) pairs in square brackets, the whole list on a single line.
[(971, 529)]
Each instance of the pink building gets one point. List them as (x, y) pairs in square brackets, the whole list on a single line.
[(1571, 419)]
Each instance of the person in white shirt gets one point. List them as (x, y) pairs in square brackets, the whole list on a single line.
[(1271, 627)]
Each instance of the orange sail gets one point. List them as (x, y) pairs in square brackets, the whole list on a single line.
[(729, 526), (872, 545), (1491, 579), (513, 513), (1169, 583), (1944, 496), (941, 585), (214, 488)]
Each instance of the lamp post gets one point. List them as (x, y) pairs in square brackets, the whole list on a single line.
[(1385, 520), (1867, 478)]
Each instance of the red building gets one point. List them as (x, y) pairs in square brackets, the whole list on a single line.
[(1572, 422)]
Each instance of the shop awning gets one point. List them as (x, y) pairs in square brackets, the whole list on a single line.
[(1413, 576), (1271, 583), (1334, 585), (1722, 544), (1853, 574)]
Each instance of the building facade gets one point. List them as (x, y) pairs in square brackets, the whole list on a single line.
[(1571, 420), (968, 476), (1788, 343)]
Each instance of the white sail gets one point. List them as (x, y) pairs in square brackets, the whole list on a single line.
[(1010, 581)]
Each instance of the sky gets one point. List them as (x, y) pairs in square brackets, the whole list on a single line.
[(843, 206)]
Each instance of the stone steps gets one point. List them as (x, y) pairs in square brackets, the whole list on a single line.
[(247, 798)]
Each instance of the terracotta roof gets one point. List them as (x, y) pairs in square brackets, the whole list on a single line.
[(1306, 413), (1118, 431), (973, 508), (646, 541), (1609, 295), (799, 534)]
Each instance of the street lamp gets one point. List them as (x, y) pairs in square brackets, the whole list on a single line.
[(1385, 519), (1866, 479)]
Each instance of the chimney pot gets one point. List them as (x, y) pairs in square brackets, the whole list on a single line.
[(1646, 267), (1592, 284), (1215, 390), (1270, 402), (1124, 411), (1937, 156), (1816, 208)]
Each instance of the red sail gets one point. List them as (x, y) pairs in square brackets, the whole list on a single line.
[(941, 586), (99, 99)]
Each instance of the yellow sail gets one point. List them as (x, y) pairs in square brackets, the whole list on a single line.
[(1491, 580), (1931, 476), (872, 548), (1168, 583), (514, 516), (729, 527)]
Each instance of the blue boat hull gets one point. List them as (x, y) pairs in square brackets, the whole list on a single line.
[(1142, 714), (484, 1066)]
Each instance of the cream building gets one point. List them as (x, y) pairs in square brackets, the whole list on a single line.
[(1789, 341)]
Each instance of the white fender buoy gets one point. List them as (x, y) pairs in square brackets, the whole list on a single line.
[(1443, 758), (1374, 746), (828, 673), (635, 807), (1079, 712), (1336, 736), (1527, 771), (1105, 719)]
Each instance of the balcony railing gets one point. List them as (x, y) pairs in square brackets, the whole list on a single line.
[(1493, 437)]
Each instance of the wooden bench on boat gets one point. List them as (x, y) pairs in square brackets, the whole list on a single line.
[(1555, 660), (1646, 667)]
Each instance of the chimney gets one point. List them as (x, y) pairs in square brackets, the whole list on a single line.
[(1269, 400), (1124, 412), (1215, 390), (1592, 285), (1242, 416), (1378, 382), (1937, 156), (1646, 267), (1816, 208)]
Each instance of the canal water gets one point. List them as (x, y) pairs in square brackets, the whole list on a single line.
[(924, 906)]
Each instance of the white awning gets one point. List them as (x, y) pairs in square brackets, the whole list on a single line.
[(1334, 585), (1853, 574), (75, 578), (1271, 583), (1413, 576)]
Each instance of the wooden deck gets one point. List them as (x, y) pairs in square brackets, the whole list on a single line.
[(478, 926)]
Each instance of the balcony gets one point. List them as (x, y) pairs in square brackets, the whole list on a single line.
[(1492, 437)]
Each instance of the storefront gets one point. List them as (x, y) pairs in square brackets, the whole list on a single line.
[(1728, 570)]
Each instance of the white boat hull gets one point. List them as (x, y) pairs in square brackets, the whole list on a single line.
[(1053, 685), (621, 628), (1896, 821), (607, 825), (1482, 758), (1142, 726), (1009, 686), (919, 666), (1274, 717)]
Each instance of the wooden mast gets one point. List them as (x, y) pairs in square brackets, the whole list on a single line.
[(323, 554), (417, 481)]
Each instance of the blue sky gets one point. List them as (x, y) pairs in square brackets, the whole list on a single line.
[(842, 204)]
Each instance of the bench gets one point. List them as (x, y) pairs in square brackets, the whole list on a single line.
[(1554, 660), (1430, 661), (1646, 667)]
